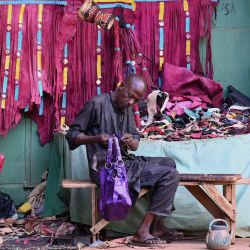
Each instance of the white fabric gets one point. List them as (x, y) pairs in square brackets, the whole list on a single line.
[(219, 155)]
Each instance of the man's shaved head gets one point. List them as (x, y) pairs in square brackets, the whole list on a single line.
[(136, 82), (131, 91)]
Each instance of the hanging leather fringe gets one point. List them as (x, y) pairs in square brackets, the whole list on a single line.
[(117, 59)]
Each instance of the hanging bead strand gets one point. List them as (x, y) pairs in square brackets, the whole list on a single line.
[(99, 60), (65, 83), (19, 50), (187, 30), (161, 39), (7, 58), (39, 56)]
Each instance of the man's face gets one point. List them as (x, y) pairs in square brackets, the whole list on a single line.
[(128, 96)]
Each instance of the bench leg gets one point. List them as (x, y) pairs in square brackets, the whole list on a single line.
[(99, 226), (93, 212), (96, 228), (230, 195), (233, 225)]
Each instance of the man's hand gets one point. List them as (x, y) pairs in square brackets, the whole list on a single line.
[(82, 139), (126, 139), (130, 142), (101, 138)]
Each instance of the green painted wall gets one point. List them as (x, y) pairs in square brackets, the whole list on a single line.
[(231, 44), (26, 160)]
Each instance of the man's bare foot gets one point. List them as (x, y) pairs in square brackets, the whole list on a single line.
[(160, 230)]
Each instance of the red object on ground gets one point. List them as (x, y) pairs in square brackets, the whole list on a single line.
[(2, 159)]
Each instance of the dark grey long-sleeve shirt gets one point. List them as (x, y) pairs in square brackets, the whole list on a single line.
[(101, 116)]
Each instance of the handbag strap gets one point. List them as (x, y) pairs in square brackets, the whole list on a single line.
[(114, 151), (110, 150), (118, 150)]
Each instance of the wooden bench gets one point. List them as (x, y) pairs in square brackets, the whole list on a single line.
[(201, 186)]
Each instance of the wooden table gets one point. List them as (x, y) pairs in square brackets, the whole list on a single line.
[(201, 186), (220, 205)]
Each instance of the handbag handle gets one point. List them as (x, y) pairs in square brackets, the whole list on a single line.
[(118, 150), (109, 153), (113, 142)]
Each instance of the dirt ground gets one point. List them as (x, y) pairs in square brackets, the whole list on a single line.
[(241, 244)]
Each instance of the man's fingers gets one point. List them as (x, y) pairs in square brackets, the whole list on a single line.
[(126, 137), (127, 140)]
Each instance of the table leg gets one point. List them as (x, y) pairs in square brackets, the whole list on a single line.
[(233, 225), (229, 194), (93, 211)]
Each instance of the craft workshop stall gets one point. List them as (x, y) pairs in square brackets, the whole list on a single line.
[(194, 57)]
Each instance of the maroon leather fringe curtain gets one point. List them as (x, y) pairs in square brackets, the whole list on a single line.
[(52, 62)]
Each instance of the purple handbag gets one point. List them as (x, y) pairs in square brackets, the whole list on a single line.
[(114, 202)]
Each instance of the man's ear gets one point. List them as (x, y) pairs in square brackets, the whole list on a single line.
[(121, 84)]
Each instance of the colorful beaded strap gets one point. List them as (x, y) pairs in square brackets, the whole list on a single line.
[(7, 57), (65, 83), (19, 50), (187, 30), (99, 60), (39, 56), (161, 39)]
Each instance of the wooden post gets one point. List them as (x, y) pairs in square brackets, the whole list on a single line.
[(93, 211), (206, 200), (99, 226), (223, 204), (229, 194), (233, 224)]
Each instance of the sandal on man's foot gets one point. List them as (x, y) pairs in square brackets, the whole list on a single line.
[(151, 242)]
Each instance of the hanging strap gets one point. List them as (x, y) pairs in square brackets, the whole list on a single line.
[(109, 153), (118, 150), (114, 151), (120, 187)]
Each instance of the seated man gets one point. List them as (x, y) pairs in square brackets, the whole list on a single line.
[(112, 114)]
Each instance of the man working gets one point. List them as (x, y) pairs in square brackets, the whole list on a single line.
[(110, 114)]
